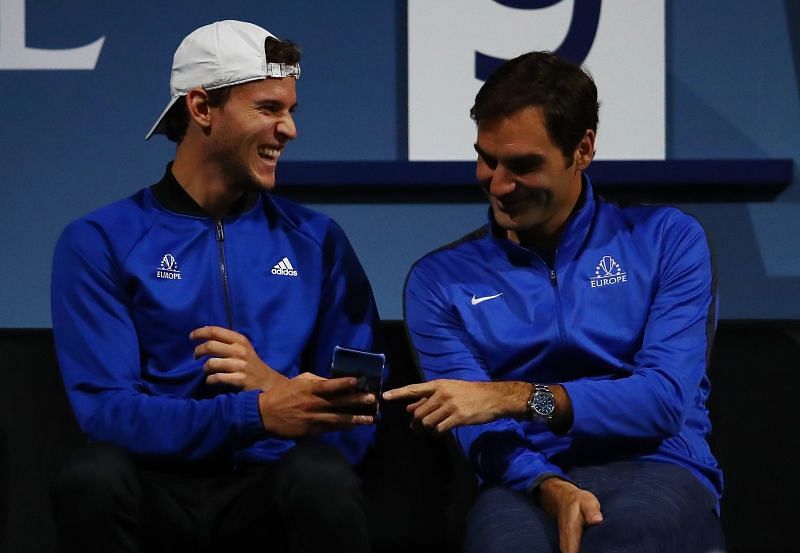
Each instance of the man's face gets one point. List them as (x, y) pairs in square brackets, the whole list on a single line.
[(530, 185), (251, 129)]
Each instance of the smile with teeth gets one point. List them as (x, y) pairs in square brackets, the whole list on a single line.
[(269, 154)]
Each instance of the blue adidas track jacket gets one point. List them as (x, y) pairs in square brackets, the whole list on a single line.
[(624, 319), (133, 279)]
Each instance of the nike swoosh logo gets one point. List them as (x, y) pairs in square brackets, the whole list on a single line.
[(476, 301)]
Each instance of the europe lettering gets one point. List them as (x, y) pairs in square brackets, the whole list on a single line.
[(605, 281)]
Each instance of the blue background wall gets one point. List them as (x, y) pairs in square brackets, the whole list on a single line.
[(73, 140)]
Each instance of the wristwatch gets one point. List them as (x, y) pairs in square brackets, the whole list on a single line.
[(542, 403)]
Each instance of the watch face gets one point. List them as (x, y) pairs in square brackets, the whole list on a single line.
[(543, 403)]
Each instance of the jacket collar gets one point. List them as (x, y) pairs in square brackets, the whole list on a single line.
[(170, 194), (575, 232)]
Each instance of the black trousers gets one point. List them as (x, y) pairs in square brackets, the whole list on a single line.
[(309, 500)]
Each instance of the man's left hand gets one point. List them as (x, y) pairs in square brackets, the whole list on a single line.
[(232, 360), (572, 508), (445, 404)]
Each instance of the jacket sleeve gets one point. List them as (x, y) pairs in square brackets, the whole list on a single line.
[(669, 367), (98, 353), (347, 317), (499, 450)]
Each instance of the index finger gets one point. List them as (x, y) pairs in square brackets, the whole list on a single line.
[(411, 391), (214, 333)]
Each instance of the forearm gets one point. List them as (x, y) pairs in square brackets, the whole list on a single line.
[(512, 401), (502, 454), (509, 398), (182, 428), (646, 407)]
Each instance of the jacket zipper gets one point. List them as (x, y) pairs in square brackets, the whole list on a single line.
[(554, 282), (223, 271)]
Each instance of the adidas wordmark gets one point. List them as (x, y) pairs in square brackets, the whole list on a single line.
[(284, 267)]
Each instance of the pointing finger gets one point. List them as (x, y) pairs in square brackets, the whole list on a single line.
[(412, 391)]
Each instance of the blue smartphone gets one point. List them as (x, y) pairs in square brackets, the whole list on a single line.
[(366, 366)]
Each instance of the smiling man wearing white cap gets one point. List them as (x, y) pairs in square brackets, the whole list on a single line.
[(194, 325)]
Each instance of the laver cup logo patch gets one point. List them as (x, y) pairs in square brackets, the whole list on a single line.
[(169, 268), (607, 273)]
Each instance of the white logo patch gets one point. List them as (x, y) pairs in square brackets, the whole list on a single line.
[(476, 301), (607, 273), (284, 267), (168, 268)]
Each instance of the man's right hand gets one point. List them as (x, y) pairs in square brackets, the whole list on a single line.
[(572, 508), (309, 404)]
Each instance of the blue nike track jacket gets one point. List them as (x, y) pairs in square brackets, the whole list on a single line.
[(624, 319), (132, 280)]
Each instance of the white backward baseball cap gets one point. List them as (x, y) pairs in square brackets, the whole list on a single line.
[(224, 53)]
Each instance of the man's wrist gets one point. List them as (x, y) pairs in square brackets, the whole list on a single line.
[(561, 422), (549, 491), (541, 404), (262, 409), (519, 405), (515, 397)]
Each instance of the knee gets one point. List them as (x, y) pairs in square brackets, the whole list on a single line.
[(98, 475), (317, 477), (317, 466), (667, 496), (315, 487), (493, 498), (498, 504), (504, 521), (486, 528), (665, 508)]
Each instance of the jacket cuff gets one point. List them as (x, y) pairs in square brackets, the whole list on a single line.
[(533, 488), (576, 391), (250, 425)]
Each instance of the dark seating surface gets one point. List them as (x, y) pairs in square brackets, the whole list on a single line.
[(418, 487)]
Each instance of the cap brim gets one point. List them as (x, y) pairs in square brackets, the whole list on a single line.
[(158, 128)]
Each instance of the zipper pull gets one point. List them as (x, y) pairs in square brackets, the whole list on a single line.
[(220, 231), (553, 277)]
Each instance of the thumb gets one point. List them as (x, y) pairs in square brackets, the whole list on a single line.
[(590, 509)]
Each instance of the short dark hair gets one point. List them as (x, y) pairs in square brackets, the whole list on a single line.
[(566, 94), (176, 120)]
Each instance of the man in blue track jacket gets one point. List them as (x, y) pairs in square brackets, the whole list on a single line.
[(194, 325), (566, 341)]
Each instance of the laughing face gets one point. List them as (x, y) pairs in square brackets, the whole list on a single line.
[(251, 129)]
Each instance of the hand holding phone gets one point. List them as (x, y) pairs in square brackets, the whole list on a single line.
[(366, 366)]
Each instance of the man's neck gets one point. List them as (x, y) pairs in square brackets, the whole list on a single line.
[(542, 243), (544, 239), (206, 183)]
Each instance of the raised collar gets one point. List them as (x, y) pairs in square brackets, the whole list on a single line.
[(575, 230), (170, 194)]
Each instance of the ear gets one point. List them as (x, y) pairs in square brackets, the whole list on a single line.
[(584, 153), (197, 105)]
